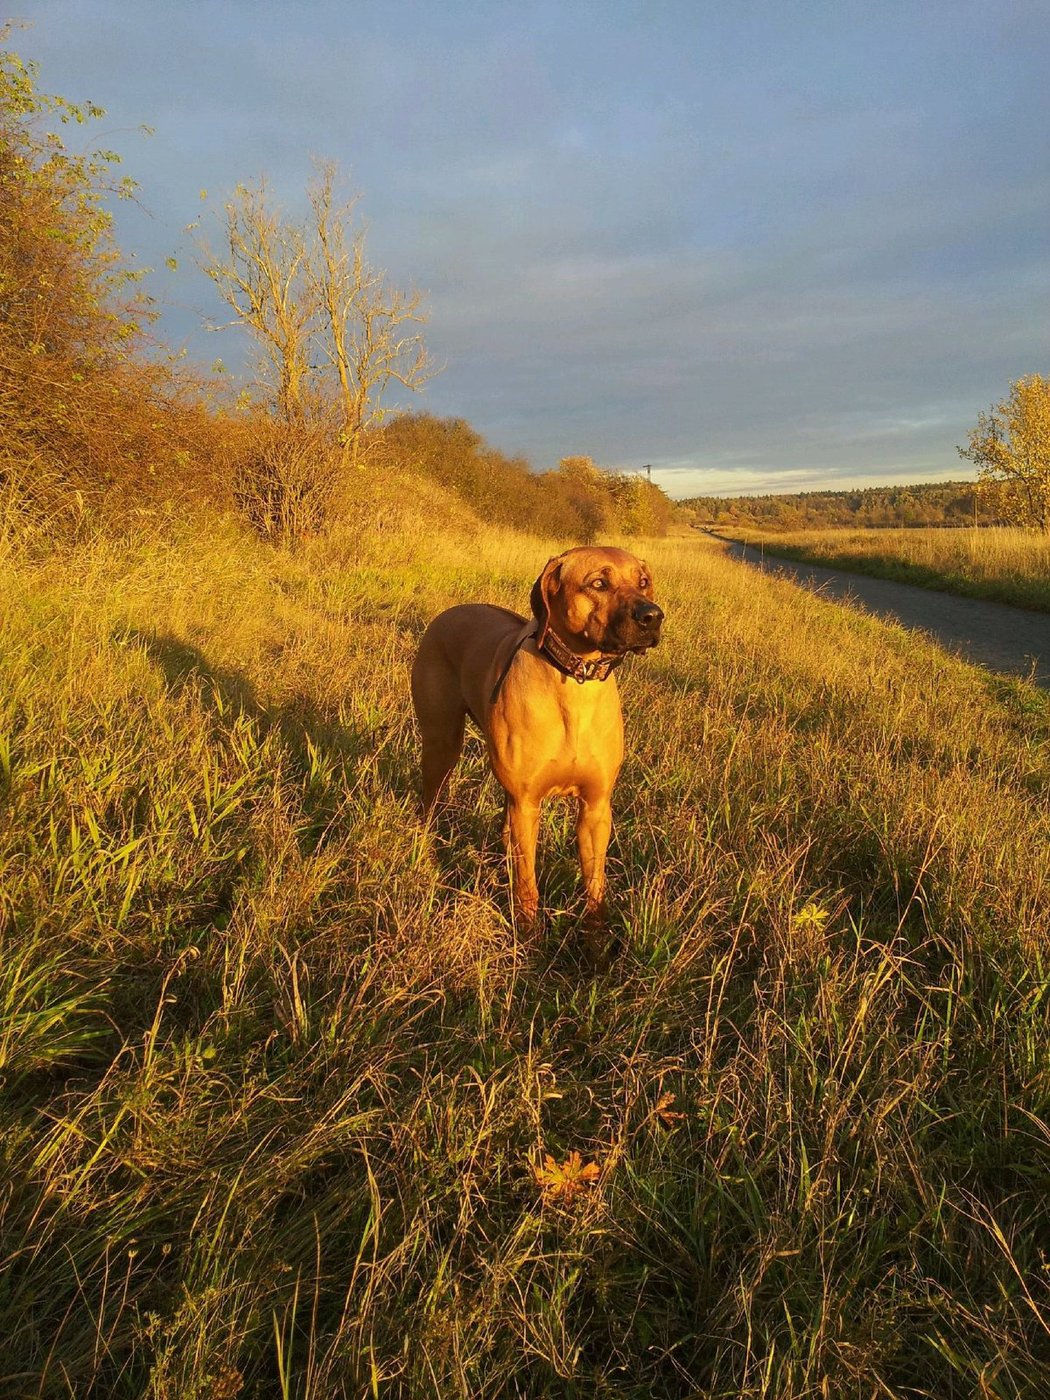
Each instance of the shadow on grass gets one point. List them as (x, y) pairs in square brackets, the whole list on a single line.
[(324, 753)]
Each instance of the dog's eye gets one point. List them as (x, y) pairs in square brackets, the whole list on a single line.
[(644, 582), (600, 584)]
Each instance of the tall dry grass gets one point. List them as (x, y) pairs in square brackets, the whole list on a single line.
[(1008, 564), (277, 1072)]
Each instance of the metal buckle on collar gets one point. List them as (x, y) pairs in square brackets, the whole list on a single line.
[(594, 670), (566, 661), (563, 660)]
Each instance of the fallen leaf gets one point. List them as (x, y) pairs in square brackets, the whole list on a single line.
[(561, 1185), (667, 1116)]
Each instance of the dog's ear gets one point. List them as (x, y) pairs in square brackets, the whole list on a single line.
[(543, 590)]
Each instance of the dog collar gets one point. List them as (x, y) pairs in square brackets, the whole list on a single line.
[(554, 650), (566, 660)]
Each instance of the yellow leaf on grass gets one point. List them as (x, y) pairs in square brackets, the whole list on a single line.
[(663, 1110), (562, 1184)]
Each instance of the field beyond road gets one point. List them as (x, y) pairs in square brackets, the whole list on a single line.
[(1005, 564), (1006, 639), (279, 1076)]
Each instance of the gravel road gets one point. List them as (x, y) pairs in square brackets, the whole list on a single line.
[(995, 635)]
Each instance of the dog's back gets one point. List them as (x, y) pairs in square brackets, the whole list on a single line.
[(458, 658)]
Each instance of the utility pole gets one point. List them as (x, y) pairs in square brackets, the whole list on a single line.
[(648, 472)]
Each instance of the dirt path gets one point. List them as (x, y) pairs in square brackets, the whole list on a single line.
[(995, 635)]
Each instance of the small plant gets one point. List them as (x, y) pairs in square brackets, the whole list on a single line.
[(811, 918), (286, 477), (665, 1112), (563, 1184)]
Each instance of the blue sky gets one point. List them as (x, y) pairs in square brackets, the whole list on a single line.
[(761, 246)]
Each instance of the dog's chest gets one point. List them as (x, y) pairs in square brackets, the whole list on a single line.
[(560, 737)]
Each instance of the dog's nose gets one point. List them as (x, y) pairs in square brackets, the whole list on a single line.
[(647, 615)]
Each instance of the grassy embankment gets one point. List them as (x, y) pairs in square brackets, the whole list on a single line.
[(1008, 565), (277, 1071)]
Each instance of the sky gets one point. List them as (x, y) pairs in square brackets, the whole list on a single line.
[(774, 245)]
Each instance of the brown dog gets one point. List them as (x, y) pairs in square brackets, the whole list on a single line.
[(544, 696)]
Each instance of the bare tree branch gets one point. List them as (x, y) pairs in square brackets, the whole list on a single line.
[(362, 315), (262, 279)]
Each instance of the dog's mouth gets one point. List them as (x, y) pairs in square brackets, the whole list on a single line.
[(632, 639)]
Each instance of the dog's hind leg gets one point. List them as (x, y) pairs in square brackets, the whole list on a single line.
[(440, 755)]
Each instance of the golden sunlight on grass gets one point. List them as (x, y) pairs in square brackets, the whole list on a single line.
[(278, 1074), (1011, 565)]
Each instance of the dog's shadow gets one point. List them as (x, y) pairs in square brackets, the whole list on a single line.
[(321, 750)]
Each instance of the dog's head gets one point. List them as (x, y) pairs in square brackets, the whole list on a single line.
[(598, 599)]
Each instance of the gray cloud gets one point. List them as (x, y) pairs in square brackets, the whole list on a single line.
[(798, 246)]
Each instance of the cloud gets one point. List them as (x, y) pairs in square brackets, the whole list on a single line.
[(795, 245)]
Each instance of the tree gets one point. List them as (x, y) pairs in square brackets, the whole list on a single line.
[(641, 507), (332, 332), (368, 336), (87, 423), (263, 279), (61, 273), (586, 486), (1011, 448)]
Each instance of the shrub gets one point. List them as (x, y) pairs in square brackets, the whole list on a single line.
[(284, 476), (90, 426)]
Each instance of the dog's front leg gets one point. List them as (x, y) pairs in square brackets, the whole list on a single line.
[(520, 834), (593, 829)]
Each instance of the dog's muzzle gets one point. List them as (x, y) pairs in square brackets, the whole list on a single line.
[(648, 617), (638, 627)]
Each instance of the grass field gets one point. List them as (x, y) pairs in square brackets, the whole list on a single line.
[(1012, 566), (278, 1074)]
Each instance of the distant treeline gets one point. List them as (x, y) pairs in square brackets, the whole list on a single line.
[(933, 503)]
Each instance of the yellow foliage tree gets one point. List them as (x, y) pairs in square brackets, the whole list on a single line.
[(90, 426), (1011, 448)]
